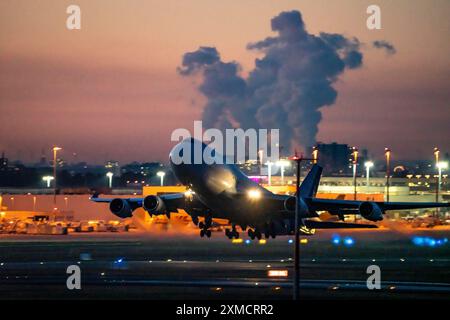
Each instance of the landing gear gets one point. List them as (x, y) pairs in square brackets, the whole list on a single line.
[(232, 233), (204, 226), (206, 233), (208, 221), (254, 234), (269, 234)]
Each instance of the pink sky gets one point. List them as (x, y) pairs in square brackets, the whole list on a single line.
[(111, 90)]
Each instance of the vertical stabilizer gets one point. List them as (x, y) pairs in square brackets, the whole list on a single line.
[(309, 186)]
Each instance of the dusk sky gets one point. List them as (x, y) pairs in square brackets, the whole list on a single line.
[(112, 91)]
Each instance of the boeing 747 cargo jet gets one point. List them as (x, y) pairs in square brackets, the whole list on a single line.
[(223, 191)]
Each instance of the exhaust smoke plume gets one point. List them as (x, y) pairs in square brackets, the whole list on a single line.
[(288, 86), (382, 44)]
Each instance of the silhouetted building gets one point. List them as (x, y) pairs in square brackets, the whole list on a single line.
[(43, 160), (334, 158), (3, 162)]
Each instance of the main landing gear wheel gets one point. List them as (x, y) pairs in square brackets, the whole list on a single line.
[(234, 232), (231, 234), (204, 225), (254, 234), (205, 232)]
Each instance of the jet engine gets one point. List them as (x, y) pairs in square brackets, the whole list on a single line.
[(289, 204), (121, 208), (154, 205), (370, 211)]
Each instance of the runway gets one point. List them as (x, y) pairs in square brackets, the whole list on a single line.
[(143, 266)]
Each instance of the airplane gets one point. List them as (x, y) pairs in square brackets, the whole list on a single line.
[(225, 192)]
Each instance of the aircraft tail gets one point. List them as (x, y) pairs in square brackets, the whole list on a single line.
[(309, 186)]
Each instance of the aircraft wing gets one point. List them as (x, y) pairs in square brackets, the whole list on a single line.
[(333, 205), (313, 224), (134, 201)]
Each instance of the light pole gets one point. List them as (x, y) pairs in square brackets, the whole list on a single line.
[(109, 175), (355, 162), (269, 172), (436, 157), (436, 154), (55, 150), (297, 233), (47, 179), (368, 165), (315, 154), (161, 174), (297, 220), (282, 164), (387, 153), (442, 165)]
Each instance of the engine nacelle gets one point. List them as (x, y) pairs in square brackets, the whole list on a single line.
[(289, 205), (121, 208), (370, 211), (154, 205)]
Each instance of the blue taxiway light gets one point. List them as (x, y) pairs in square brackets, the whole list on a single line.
[(349, 241), (428, 241), (336, 239), (247, 241), (290, 241)]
